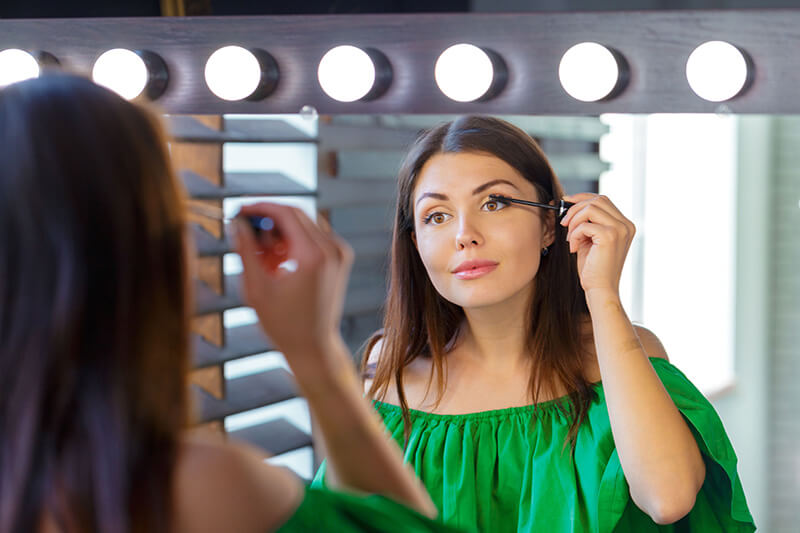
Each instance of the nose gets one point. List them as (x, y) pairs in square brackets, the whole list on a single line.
[(468, 235)]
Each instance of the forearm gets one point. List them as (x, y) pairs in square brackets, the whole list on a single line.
[(362, 456), (656, 448)]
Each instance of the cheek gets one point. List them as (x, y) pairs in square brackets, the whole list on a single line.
[(430, 250)]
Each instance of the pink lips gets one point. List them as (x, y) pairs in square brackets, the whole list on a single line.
[(474, 269)]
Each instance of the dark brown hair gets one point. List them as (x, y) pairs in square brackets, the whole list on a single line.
[(419, 322), (93, 311)]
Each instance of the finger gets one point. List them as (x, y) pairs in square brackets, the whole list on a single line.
[(323, 223), (596, 214), (580, 200), (283, 215), (609, 206), (248, 249), (598, 200), (322, 242), (587, 233)]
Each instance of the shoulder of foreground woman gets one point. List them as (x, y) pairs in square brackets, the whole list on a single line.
[(222, 486)]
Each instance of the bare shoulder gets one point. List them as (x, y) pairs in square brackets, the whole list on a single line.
[(373, 355), (650, 343), (415, 374), (221, 486)]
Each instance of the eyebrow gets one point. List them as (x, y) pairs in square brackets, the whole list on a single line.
[(479, 189)]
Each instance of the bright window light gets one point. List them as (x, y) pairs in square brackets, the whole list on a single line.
[(717, 71), (346, 73), (465, 73), (123, 71), (17, 65), (589, 72), (679, 286), (233, 73)]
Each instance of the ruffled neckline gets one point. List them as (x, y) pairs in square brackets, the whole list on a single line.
[(543, 406)]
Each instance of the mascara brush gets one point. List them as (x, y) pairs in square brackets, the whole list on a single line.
[(562, 206)]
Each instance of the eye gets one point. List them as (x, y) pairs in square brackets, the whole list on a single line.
[(436, 218), (494, 205)]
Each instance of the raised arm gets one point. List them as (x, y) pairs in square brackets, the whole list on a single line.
[(301, 313), (658, 453)]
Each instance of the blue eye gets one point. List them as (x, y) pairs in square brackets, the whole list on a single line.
[(436, 218)]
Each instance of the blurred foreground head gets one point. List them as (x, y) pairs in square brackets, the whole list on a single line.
[(93, 310)]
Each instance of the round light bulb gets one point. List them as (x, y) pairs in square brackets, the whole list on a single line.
[(717, 71), (346, 73), (589, 72), (464, 73), (233, 73), (123, 71), (17, 65)]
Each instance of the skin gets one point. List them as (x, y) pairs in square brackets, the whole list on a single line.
[(488, 367), (221, 486)]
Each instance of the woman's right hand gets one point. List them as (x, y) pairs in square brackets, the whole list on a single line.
[(300, 310)]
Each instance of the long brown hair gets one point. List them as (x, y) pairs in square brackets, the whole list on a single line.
[(93, 311), (419, 322)]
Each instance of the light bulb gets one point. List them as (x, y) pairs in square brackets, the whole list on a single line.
[(235, 73), (718, 71), (590, 72), (466, 73), (17, 65), (347, 73), (131, 73)]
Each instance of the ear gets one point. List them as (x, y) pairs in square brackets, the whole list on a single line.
[(414, 239)]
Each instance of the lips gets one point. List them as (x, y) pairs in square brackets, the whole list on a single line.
[(474, 269)]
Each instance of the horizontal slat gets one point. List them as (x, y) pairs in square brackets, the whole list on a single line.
[(208, 301), (576, 186), (208, 245), (246, 393), (361, 163), (275, 437), (370, 245), (540, 126), (363, 219), (243, 184), (340, 192), (366, 245), (364, 137), (578, 166), (187, 129), (240, 341), (357, 300)]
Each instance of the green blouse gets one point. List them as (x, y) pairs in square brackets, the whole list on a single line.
[(324, 510), (507, 470)]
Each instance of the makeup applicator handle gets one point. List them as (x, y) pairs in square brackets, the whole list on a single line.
[(562, 207)]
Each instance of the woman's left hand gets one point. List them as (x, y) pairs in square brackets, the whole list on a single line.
[(601, 236)]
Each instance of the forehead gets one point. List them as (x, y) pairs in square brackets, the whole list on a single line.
[(457, 173)]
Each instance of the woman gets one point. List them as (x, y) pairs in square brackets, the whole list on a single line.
[(94, 342), (523, 396)]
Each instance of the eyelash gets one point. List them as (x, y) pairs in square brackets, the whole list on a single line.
[(501, 206)]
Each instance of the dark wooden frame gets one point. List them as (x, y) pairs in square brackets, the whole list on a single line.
[(655, 44)]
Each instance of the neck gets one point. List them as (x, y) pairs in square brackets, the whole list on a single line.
[(497, 334)]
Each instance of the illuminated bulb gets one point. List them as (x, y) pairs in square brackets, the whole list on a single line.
[(590, 72), (347, 73), (466, 73), (131, 73), (235, 73), (718, 71), (17, 65)]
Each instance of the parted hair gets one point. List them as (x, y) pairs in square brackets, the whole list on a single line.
[(94, 311), (419, 322)]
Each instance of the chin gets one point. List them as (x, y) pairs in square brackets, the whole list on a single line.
[(476, 298)]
